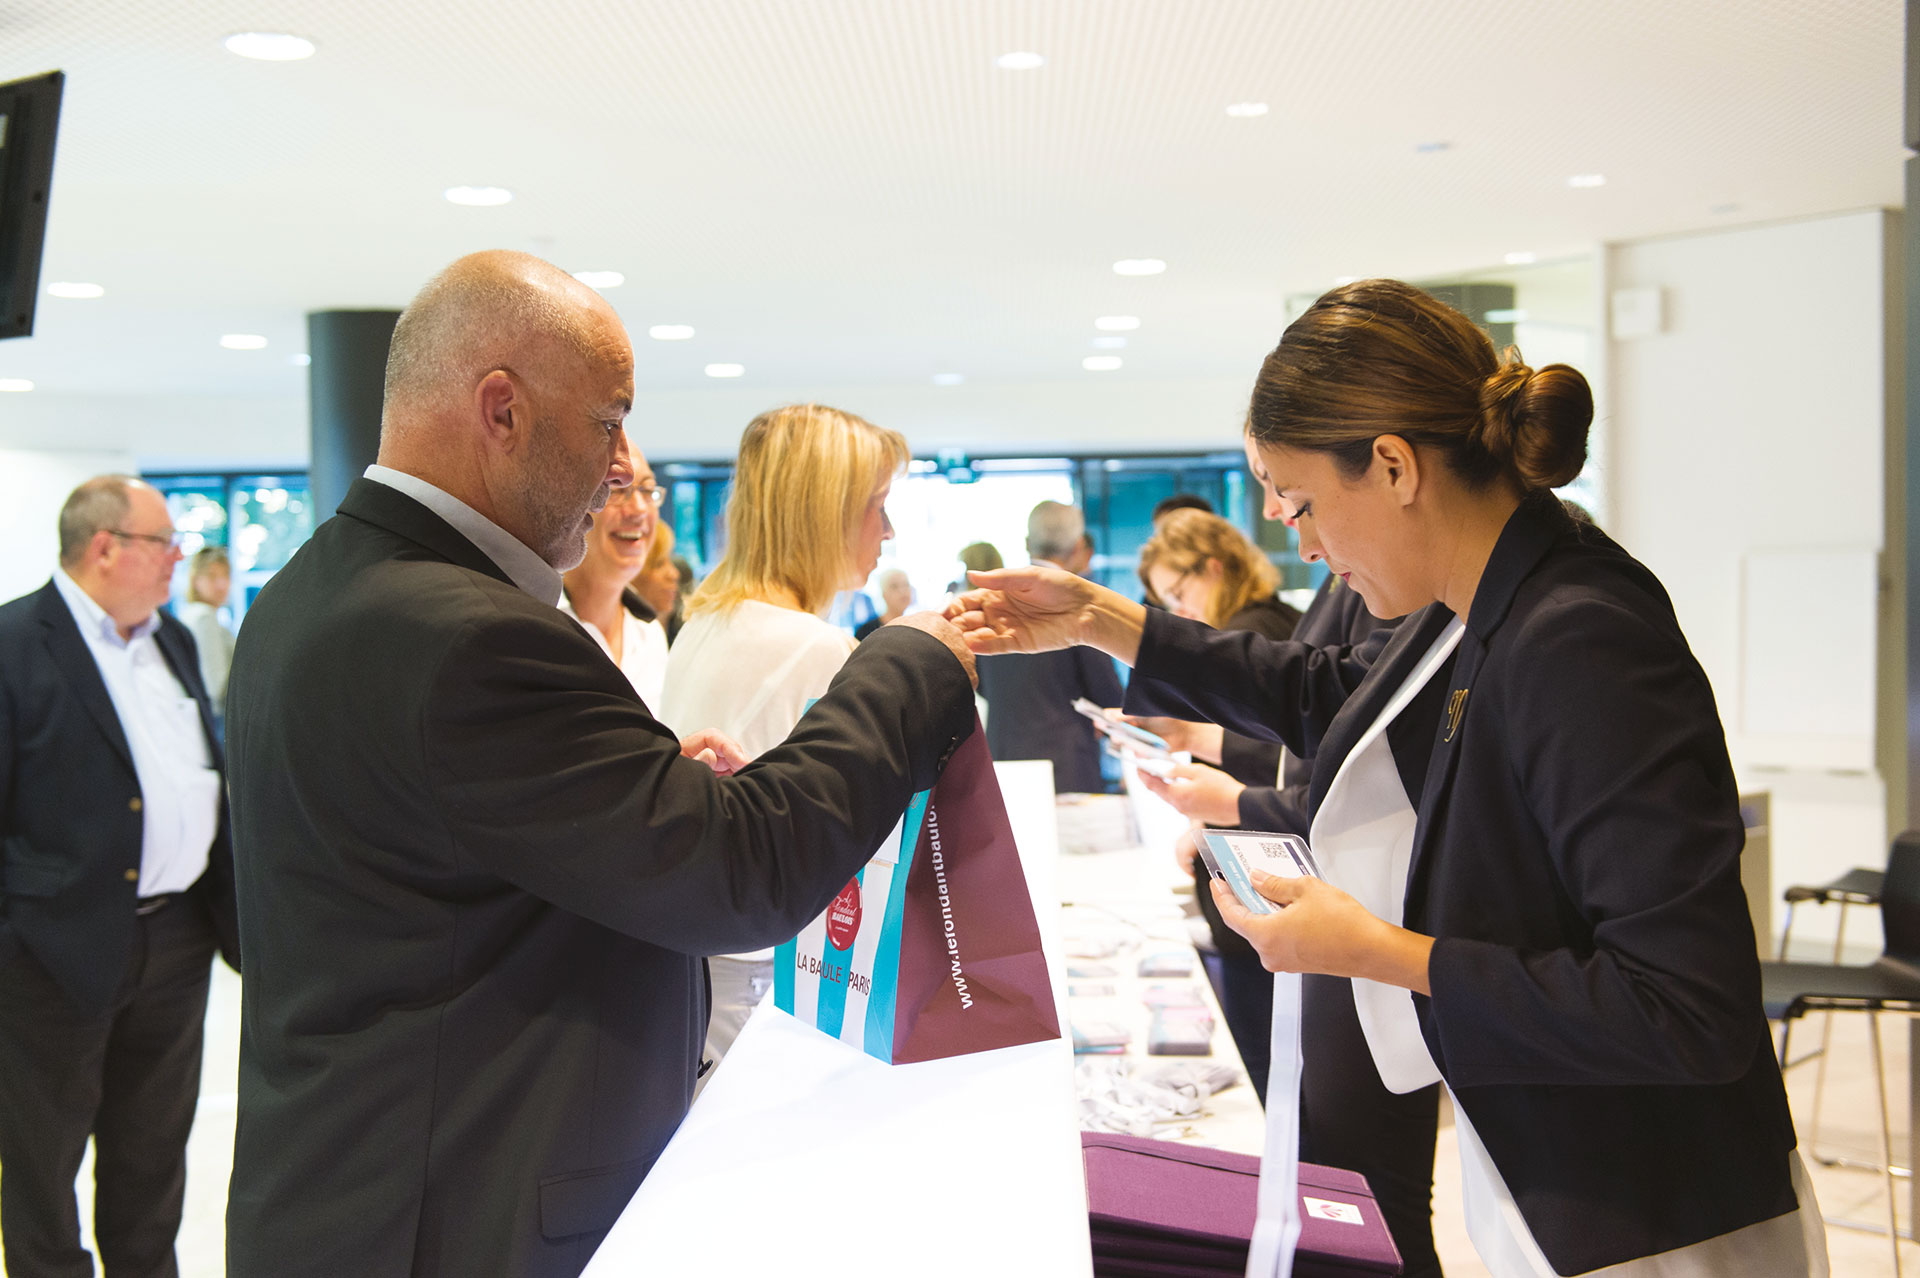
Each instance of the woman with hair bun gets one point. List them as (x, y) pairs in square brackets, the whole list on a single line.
[(1523, 807)]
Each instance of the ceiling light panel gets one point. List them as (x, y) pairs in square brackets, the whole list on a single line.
[(479, 197), (269, 46)]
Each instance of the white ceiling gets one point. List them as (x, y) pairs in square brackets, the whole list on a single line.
[(849, 193)]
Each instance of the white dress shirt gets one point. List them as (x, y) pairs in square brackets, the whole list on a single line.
[(179, 786), (511, 555)]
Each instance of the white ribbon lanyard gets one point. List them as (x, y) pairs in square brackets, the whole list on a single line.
[(1276, 1230)]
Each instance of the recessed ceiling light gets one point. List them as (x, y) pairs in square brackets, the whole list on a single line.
[(243, 341), (1020, 61), (1431, 148), (301, 360), (1117, 323), (670, 332), (1522, 258), (1587, 179), (1341, 281), (1247, 110), (1101, 363), (15, 384), (1109, 343), (269, 46), (948, 379), (726, 370), (1139, 266), (1506, 315), (600, 279), (64, 288), (478, 196)]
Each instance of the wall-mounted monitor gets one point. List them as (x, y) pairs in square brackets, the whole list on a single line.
[(29, 118)]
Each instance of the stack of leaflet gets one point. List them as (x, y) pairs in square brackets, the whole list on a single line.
[(1158, 1210)]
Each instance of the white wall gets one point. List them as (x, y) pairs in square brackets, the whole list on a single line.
[(1758, 420), (33, 485)]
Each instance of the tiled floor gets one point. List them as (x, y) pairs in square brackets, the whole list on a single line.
[(1847, 1127)]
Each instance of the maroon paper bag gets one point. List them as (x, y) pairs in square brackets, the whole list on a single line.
[(932, 950)]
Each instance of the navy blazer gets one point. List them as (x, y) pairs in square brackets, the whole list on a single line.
[(476, 882), (1596, 989), (70, 823)]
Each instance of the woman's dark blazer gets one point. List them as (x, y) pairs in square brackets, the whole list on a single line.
[(1596, 989)]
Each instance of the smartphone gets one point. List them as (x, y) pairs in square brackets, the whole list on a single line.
[(1136, 739)]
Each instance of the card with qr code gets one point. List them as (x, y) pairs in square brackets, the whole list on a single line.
[(1233, 855)]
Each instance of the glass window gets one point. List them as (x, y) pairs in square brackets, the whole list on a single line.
[(260, 520)]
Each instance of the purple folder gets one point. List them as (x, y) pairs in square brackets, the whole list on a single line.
[(1159, 1208)]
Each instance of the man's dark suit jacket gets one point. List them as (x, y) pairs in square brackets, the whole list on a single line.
[(1030, 712), (70, 823), (476, 882)]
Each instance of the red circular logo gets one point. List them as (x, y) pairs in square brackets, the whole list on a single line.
[(843, 916)]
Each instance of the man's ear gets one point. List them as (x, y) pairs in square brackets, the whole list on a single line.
[(100, 548), (502, 410), (1398, 465)]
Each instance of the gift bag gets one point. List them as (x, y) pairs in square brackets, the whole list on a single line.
[(932, 949)]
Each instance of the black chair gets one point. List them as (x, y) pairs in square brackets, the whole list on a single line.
[(1890, 983), (1855, 887)]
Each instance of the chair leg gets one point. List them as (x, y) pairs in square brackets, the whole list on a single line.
[(1786, 932), (1826, 1038), (1886, 1141)]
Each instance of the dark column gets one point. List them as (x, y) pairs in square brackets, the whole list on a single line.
[(349, 350)]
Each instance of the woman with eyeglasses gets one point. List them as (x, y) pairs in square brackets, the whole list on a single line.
[(599, 594), (806, 520), (1523, 807)]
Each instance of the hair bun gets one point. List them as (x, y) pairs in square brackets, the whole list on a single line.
[(1533, 422)]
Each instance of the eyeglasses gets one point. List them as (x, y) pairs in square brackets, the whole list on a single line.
[(167, 541), (657, 496)]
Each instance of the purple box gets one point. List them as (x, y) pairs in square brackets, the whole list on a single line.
[(1157, 1207)]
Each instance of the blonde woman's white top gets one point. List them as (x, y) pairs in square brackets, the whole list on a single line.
[(750, 672)]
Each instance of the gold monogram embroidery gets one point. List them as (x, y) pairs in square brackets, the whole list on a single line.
[(1456, 706)]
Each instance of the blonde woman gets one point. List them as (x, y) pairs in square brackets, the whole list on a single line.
[(658, 584), (209, 581), (806, 520), (1204, 568)]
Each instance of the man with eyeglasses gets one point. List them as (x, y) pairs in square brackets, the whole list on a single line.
[(116, 886)]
